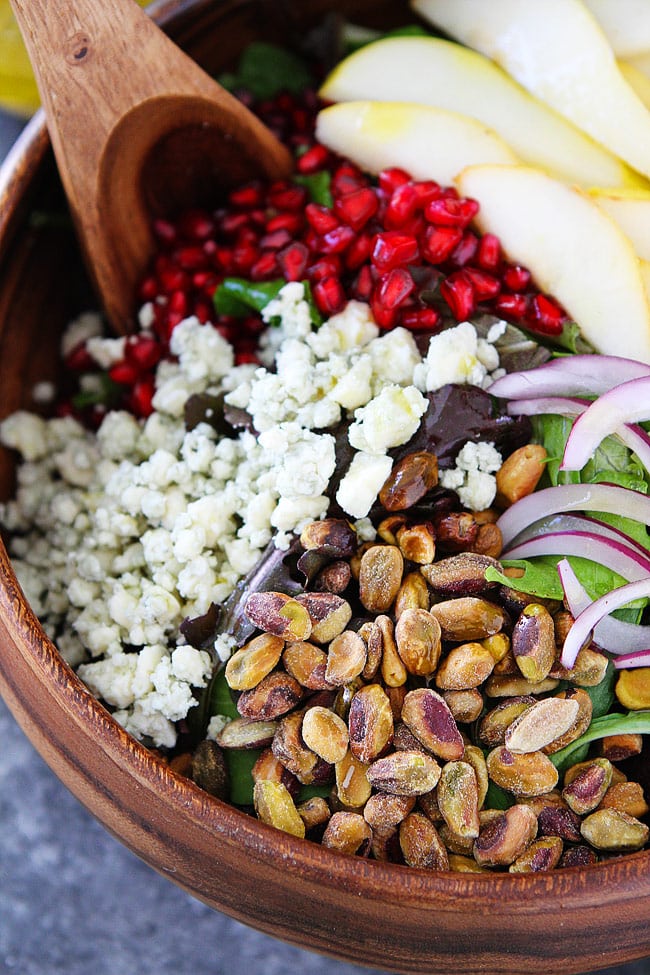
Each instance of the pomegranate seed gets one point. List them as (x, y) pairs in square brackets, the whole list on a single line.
[(246, 357), (258, 217), (329, 295), (291, 222), (174, 318), (516, 278), (293, 261), (347, 179), (357, 208), (276, 240), (173, 279), (300, 120), (244, 256), (228, 331), (141, 397), (204, 280), (178, 302), (320, 218), (246, 235), (79, 359), (312, 240), (488, 255), (359, 251), (196, 225), (545, 316), (421, 319), (440, 242), (449, 212), (252, 325), (337, 240), (148, 289), (394, 287), (402, 206), (317, 157), (65, 409), (511, 306), (364, 284), (143, 352), (384, 317), (392, 249), (265, 267), (390, 179), (427, 189), (415, 226), (466, 250), (191, 258), (458, 292), (203, 311), (485, 285), (287, 197), (247, 197), (232, 222), (223, 259), (164, 231), (124, 373), (325, 267)]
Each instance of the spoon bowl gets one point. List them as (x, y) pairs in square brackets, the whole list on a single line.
[(138, 131)]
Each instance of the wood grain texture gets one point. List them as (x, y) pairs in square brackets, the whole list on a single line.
[(364, 912), (137, 129)]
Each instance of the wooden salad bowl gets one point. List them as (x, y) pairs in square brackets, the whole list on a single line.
[(361, 911)]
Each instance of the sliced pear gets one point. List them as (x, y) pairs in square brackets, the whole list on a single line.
[(631, 211), (637, 79), (645, 274), (558, 52), (573, 249), (427, 142), (625, 23), (641, 62), (432, 71)]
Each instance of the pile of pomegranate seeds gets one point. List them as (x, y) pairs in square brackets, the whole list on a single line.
[(404, 246)]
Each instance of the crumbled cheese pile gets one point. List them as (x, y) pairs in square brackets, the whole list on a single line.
[(120, 535)]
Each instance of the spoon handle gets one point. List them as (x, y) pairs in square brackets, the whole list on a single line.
[(113, 88)]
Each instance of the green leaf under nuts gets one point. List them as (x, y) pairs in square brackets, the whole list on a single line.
[(630, 723)]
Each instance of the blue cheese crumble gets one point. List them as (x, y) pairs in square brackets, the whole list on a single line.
[(119, 535)]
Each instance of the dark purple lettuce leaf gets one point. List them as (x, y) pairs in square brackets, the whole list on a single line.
[(459, 413)]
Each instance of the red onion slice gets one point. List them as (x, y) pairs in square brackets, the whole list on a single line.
[(563, 522), (585, 622), (629, 563), (627, 403), (574, 375), (633, 436), (537, 405), (628, 660), (615, 636), (608, 498)]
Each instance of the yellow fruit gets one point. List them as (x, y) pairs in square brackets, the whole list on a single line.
[(633, 688), (18, 91)]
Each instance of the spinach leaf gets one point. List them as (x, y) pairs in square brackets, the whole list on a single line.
[(633, 722), (237, 297), (541, 578), (266, 69), (602, 695), (497, 798), (317, 185)]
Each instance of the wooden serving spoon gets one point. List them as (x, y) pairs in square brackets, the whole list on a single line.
[(138, 130)]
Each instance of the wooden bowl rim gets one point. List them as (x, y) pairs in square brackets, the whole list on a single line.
[(622, 879)]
